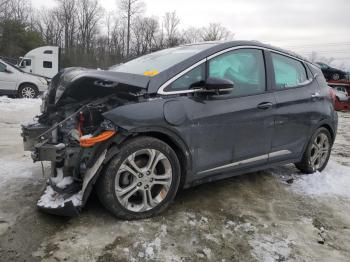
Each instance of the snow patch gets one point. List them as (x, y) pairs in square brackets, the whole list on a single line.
[(270, 249), (65, 182), (207, 252), (15, 111), (334, 180), (51, 199), (14, 169)]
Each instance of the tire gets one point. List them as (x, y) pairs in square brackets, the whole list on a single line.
[(317, 153), (335, 76), (28, 91), (133, 192)]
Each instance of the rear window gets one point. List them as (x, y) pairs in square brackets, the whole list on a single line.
[(159, 61), (288, 72)]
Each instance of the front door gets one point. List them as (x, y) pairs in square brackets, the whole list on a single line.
[(229, 131)]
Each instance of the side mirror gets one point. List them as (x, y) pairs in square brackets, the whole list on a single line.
[(218, 85)]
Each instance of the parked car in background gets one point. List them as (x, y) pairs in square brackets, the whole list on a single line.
[(176, 118), (341, 93), (331, 73), (13, 81)]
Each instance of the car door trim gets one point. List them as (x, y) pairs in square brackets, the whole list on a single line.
[(163, 86), (247, 161)]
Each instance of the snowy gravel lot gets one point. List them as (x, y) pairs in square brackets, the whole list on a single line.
[(274, 215)]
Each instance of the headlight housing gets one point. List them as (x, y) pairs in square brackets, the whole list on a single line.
[(42, 80)]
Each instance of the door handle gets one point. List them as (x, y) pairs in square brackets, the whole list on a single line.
[(265, 105), (316, 95)]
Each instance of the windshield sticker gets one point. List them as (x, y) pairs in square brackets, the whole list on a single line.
[(151, 73)]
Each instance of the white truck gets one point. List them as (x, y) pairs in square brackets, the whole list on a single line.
[(14, 81), (42, 61)]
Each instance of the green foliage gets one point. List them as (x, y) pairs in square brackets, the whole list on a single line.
[(17, 39)]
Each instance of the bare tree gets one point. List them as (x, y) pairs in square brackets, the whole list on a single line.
[(66, 13), (16, 10), (89, 14), (192, 35), (50, 27), (144, 29), (4, 6), (215, 32), (129, 9), (171, 23)]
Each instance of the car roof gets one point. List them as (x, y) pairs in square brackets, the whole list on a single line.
[(234, 43)]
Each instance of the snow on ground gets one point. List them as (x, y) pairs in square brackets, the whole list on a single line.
[(13, 111), (244, 218), (11, 169), (334, 180)]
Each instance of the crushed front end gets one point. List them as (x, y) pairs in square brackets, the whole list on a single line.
[(72, 134)]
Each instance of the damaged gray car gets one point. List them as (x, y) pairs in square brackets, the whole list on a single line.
[(175, 118)]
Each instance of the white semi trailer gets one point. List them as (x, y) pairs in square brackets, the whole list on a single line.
[(43, 61)]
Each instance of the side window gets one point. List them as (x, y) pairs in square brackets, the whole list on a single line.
[(193, 78), (2, 67), (28, 62), (244, 67), (47, 64), (288, 72)]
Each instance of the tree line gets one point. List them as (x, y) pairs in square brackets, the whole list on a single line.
[(91, 36)]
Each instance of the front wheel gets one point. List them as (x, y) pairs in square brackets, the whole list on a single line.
[(28, 91), (141, 180), (317, 153)]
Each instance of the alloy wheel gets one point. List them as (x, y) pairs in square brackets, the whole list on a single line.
[(28, 92), (319, 151), (336, 76), (143, 180)]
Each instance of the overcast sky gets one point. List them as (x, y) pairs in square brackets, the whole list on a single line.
[(299, 25)]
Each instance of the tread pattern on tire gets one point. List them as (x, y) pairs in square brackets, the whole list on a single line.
[(304, 165)]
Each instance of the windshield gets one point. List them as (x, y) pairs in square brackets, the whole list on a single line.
[(159, 61), (16, 68)]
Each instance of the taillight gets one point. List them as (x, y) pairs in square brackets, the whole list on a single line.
[(332, 95)]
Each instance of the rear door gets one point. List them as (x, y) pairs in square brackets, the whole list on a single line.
[(297, 98)]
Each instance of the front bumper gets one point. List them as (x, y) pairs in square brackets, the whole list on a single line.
[(59, 198)]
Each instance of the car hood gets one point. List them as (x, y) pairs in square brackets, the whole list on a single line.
[(79, 84)]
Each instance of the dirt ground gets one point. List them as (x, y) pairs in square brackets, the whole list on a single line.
[(273, 215)]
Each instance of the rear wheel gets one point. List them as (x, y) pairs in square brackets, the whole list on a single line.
[(141, 180), (335, 76), (28, 91), (317, 153)]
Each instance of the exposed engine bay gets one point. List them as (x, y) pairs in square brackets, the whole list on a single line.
[(74, 136)]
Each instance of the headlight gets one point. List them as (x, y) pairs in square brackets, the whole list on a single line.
[(43, 80)]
